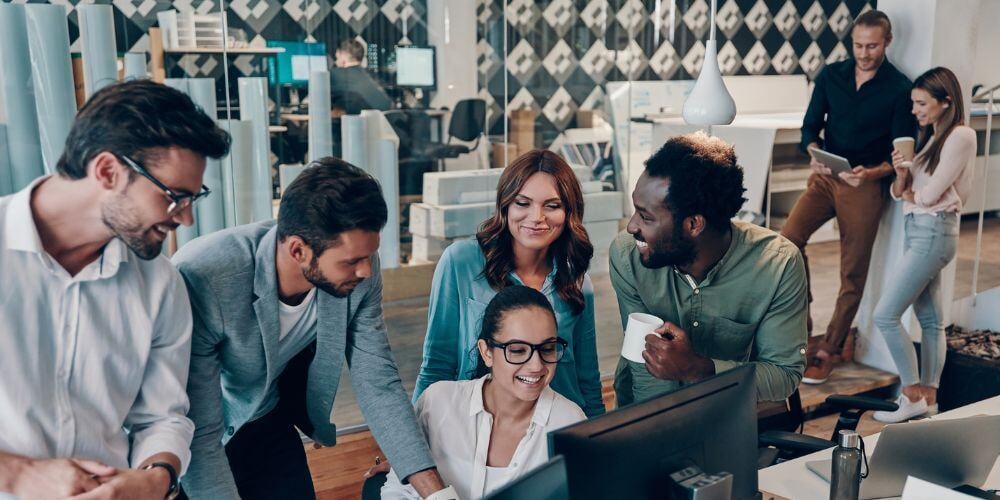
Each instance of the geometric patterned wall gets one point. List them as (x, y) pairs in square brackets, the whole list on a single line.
[(561, 52)]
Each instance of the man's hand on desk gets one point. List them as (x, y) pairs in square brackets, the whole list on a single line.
[(55, 478), (669, 356)]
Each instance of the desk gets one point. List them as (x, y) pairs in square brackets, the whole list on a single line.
[(792, 480)]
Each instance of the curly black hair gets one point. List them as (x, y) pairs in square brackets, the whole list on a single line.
[(704, 178)]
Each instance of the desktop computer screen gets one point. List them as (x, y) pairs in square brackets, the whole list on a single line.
[(415, 67), (631, 452), (545, 482), (293, 66)]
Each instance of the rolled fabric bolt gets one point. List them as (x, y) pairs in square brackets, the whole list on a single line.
[(253, 109), (6, 182), (353, 132), (97, 34), (236, 168), (52, 77), (320, 127), (639, 325), (17, 106), (388, 160), (135, 66)]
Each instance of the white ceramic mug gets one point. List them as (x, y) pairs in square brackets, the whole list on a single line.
[(639, 325)]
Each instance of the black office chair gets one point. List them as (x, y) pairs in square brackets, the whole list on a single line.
[(468, 122), (783, 442)]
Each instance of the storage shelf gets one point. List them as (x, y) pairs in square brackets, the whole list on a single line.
[(220, 50)]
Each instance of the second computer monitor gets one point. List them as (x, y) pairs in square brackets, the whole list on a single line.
[(415, 67), (631, 452)]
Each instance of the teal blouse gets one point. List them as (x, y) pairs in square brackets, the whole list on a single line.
[(459, 295)]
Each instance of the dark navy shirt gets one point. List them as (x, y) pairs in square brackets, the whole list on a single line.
[(859, 124)]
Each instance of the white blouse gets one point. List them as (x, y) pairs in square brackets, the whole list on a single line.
[(458, 429)]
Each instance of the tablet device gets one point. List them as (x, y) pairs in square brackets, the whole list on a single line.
[(835, 163)]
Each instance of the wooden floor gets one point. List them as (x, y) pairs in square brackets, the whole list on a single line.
[(337, 471)]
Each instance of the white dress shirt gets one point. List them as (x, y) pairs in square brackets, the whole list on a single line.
[(94, 365), (458, 429)]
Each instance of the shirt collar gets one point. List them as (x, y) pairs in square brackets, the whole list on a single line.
[(726, 257), (549, 278), (543, 407), (22, 234)]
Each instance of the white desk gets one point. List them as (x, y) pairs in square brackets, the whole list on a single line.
[(792, 480)]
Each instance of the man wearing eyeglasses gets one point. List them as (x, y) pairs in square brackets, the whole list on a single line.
[(279, 310), (95, 326)]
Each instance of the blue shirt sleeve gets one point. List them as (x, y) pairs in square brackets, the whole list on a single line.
[(585, 354), (441, 344)]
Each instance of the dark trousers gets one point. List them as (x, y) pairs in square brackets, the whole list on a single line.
[(858, 211), (266, 456)]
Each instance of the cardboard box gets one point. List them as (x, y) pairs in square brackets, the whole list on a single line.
[(444, 188), (497, 154), (522, 129), (584, 119)]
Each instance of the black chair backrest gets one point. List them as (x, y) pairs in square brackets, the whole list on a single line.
[(468, 119)]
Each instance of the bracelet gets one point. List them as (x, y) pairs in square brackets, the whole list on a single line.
[(175, 487), (445, 494)]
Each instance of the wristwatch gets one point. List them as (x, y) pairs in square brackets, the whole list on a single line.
[(175, 487)]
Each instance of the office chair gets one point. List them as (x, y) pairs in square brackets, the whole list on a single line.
[(783, 441), (468, 122)]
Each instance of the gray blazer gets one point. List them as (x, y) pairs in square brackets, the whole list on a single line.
[(231, 279)]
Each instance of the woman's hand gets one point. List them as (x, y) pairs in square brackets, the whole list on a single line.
[(909, 196), (899, 164)]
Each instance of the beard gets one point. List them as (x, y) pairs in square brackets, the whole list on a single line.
[(679, 250), (314, 276), (120, 216)]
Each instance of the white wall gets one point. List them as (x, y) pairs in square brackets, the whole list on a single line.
[(987, 68), (452, 31)]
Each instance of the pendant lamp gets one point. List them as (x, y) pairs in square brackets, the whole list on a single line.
[(709, 102)]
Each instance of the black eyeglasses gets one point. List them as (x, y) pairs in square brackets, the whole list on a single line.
[(178, 202), (517, 352)]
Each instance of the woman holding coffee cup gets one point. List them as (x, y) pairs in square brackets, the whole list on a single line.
[(535, 238), (933, 186)]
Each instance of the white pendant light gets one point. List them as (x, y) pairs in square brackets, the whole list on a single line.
[(709, 102)]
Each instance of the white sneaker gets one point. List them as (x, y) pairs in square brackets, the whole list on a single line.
[(907, 410)]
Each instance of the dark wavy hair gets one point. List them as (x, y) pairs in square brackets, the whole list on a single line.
[(572, 250), (943, 86), (330, 197), (704, 178), (509, 299), (131, 118)]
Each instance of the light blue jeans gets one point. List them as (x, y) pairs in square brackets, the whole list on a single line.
[(931, 242)]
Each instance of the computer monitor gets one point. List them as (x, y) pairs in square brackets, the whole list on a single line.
[(293, 66), (415, 67), (545, 482), (631, 452)]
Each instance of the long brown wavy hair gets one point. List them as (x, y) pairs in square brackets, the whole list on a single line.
[(571, 251), (943, 86)]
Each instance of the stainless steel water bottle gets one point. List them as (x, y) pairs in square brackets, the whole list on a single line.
[(845, 476)]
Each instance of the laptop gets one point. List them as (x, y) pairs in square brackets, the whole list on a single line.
[(945, 452)]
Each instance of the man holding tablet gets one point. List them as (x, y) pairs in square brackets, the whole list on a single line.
[(860, 105)]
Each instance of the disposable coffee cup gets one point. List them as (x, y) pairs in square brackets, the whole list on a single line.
[(639, 325), (905, 147)]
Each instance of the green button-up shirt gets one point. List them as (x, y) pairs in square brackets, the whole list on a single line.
[(750, 308)]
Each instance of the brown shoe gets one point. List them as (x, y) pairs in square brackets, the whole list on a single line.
[(818, 371)]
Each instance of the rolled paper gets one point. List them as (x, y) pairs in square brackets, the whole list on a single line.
[(320, 127), (388, 176), (237, 173), (97, 34), (353, 133), (253, 109), (23, 145), (135, 66), (52, 76), (6, 182)]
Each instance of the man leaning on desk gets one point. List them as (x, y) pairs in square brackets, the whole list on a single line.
[(352, 87), (860, 105), (731, 293)]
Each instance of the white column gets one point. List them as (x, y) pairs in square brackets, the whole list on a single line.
[(52, 77), (320, 126), (253, 108), (237, 173), (135, 66), (100, 57)]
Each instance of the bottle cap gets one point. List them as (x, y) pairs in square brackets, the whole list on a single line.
[(849, 439)]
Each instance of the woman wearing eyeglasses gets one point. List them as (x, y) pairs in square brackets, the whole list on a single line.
[(535, 238), (485, 432)]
